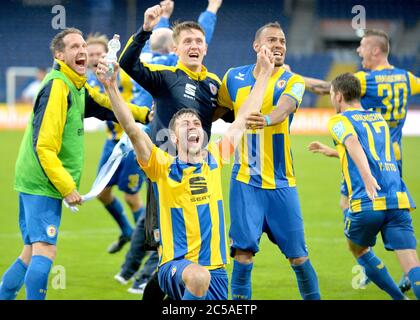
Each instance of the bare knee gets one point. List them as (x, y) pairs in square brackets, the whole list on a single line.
[(44, 249), (244, 257), (408, 259), (297, 261), (196, 279), (133, 201), (106, 196), (26, 254), (357, 250)]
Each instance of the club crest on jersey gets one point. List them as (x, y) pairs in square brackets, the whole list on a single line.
[(281, 84), (173, 271), (213, 89), (51, 231)]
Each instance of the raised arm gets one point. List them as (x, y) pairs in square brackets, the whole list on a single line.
[(317, 86), (252, 105), (358, 156), (208, 18), (140, 140), (144, 74)]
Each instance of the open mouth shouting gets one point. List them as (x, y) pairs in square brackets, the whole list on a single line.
[(194, 55), (193, 136), (81, 64)]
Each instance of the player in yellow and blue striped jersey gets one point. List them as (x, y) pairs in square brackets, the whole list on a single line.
[(263, 194), (378, 198), (384, 88), (192, 247)]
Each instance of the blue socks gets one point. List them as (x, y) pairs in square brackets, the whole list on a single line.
[(241, 281), (377, 272), (137, 214), (12, 280), (414, 276), (116, 210), (307, 281), (189, 296), (36, 279)]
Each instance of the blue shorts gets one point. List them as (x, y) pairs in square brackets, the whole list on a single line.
[(128, 176), (39, 218), (395, 226), (276, 212), (170, 281)]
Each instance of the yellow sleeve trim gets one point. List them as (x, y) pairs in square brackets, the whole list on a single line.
[(50, 138), (139, 113), (414, 84), (214, 77), (158, 67), (361, 75), (223, 97)]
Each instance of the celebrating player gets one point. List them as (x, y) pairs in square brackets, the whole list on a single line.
[(263, 195), (384, 89), (379, 200), (50, 161), (193, 248)]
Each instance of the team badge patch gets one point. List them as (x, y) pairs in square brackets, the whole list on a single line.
[(297, 90), (173, 271), (213, 89), (51, 231), (338, 129), (156, 235), (281, 84)]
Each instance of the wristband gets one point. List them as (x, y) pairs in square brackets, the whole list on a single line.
[(267, 119)]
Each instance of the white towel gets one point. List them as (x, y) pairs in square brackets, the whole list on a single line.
[(121, 149)]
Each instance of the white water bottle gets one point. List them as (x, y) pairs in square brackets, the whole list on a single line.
[(114, 46)]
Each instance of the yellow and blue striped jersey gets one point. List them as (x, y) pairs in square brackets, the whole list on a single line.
[(264, 157), (373, 134), (190, 207), (386, 90)]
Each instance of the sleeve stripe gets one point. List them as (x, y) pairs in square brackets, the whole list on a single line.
[(289, 95), (39, 112)]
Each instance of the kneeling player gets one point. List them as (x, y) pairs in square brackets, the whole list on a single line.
[(193, 248)]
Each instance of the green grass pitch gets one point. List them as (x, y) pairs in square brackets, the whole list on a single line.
[(85, 236)]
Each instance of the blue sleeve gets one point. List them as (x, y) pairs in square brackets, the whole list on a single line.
[(163, 23), (207, 21)]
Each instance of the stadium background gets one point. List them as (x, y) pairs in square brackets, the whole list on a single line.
[(321, 43)]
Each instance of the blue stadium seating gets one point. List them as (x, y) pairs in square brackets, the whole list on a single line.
[(406, 11), (315, 65), (28, 28)]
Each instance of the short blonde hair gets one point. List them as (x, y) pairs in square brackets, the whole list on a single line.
[(98, 38), (383, 38), (178, 27)]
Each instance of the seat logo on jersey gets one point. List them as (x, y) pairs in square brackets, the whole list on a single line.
[(213, 89), (198, 185), (190, 91), (281, 84), (51, 231)]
